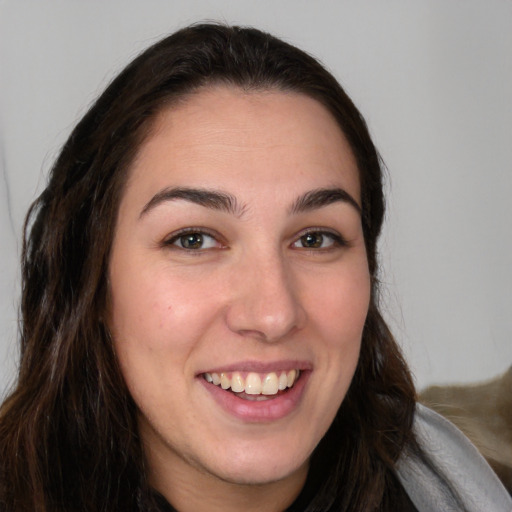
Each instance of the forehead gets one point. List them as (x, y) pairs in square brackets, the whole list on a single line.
[(224, 133)]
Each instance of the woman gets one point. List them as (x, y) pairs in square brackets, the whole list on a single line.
[(200, 301)]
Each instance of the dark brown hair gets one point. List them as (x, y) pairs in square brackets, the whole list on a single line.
[(68, 431)]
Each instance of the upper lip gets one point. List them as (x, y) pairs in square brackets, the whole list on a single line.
[(261, 366)]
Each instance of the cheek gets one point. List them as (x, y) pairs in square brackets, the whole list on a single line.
[(156, 313), (154, 327), (341, 304), (339, 314), (341, 307)]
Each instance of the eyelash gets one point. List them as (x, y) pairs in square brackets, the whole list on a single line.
[(171, 241), (337, 240)]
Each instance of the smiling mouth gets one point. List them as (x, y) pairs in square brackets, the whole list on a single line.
[(254, 386)]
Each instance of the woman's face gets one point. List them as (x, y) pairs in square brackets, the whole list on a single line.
[(239, 284)]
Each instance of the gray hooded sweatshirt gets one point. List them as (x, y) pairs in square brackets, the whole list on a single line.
[(453, 476)]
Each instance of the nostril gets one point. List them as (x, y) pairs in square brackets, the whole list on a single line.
[(250, 319)]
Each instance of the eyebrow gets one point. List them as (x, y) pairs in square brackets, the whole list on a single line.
[(222, 201), (209, 198), (321, 197)]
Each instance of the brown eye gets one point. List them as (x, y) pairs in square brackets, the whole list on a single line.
[(319, 240), (193, 241), (312, 240)]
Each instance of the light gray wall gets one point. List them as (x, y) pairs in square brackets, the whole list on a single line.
[(434, 80)]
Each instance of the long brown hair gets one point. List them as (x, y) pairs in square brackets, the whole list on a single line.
[(68, 431)]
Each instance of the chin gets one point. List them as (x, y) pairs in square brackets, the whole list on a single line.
[(258, 468), (259, 476)]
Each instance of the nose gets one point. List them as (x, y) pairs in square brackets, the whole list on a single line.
[(265, 303)]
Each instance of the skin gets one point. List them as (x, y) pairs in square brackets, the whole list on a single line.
[(253, 292)]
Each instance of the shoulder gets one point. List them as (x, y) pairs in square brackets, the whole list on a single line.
[(448, 472)]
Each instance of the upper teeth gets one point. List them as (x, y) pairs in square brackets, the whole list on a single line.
[(254, 383)]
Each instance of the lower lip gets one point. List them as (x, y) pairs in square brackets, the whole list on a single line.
[(259, 411)]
